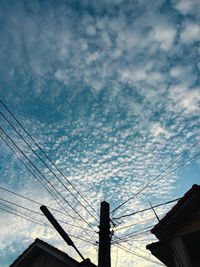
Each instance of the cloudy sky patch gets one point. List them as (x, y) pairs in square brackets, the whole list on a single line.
[(110, 91)]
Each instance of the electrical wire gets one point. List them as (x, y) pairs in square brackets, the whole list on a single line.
[(138, 223), (46, 164), (138, 255), (29, 217), (175, 222), (40, 181), (64, 208), (144, 240), (45, 179), (38, 170), (142, 250), (38, 213), (43, 224), (134, 233), (132, 238), (154, 180), (155, 206), (48, 157), (36, 202)]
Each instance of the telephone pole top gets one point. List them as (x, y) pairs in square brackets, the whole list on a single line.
[(104, 236)]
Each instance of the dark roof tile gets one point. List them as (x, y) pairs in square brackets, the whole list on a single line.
[(175, 208)]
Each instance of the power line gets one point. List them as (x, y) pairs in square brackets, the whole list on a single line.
[(135, 233), (40, 181), (43, 224), (38, 213), (56, 199), (37, 170), (138, 223), (142, 239), (158, 205), (142, 250), (138, 255), (45, 178), (36, 202), (48, 157), (154, 179), (45, 164), (132, 238), (136, 247), (29, 218)]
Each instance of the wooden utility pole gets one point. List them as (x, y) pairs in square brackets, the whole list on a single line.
[(104, 236)]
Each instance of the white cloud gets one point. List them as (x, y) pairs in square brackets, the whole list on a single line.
[(125, 127), (90, 30), (187, 99), (191, 33), (184, 74), (165, 35), (155, 78), (176, 72), (135, 75), (186, 6), (92, 57), (157, 129)]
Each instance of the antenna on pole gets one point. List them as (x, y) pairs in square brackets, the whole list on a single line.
[(59, 229), (154, 211), (104, 236)]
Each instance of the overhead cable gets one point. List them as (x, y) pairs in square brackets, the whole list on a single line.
[(139, 211), (36, 202), (138, 223), (39, 180), (133, 246), (45, 164), (131, 238), (38, 213), (134, 233), (154, 180), (43, 224), (46, 179), (44, 153), (35, 176), (22, 216), (138, 255)]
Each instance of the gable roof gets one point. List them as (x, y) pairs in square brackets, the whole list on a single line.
[(162, 252), (174, 220), (39, 245), (182, 207)]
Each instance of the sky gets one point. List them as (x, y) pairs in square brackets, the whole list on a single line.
[(110, 91)]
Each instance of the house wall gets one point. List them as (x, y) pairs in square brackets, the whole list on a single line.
[(181, 254), (46, 260)]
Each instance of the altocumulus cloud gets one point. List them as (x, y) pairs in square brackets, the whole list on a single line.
[(111, 93)]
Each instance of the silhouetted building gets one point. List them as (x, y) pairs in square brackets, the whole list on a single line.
[(41, 254), (179, 233)]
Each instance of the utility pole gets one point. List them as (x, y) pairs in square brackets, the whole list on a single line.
[(104, 236)]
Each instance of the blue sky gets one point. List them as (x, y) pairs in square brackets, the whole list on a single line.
[(111, 91)]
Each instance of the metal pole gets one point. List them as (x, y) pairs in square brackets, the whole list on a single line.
[(60, 230), (104, 236)]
